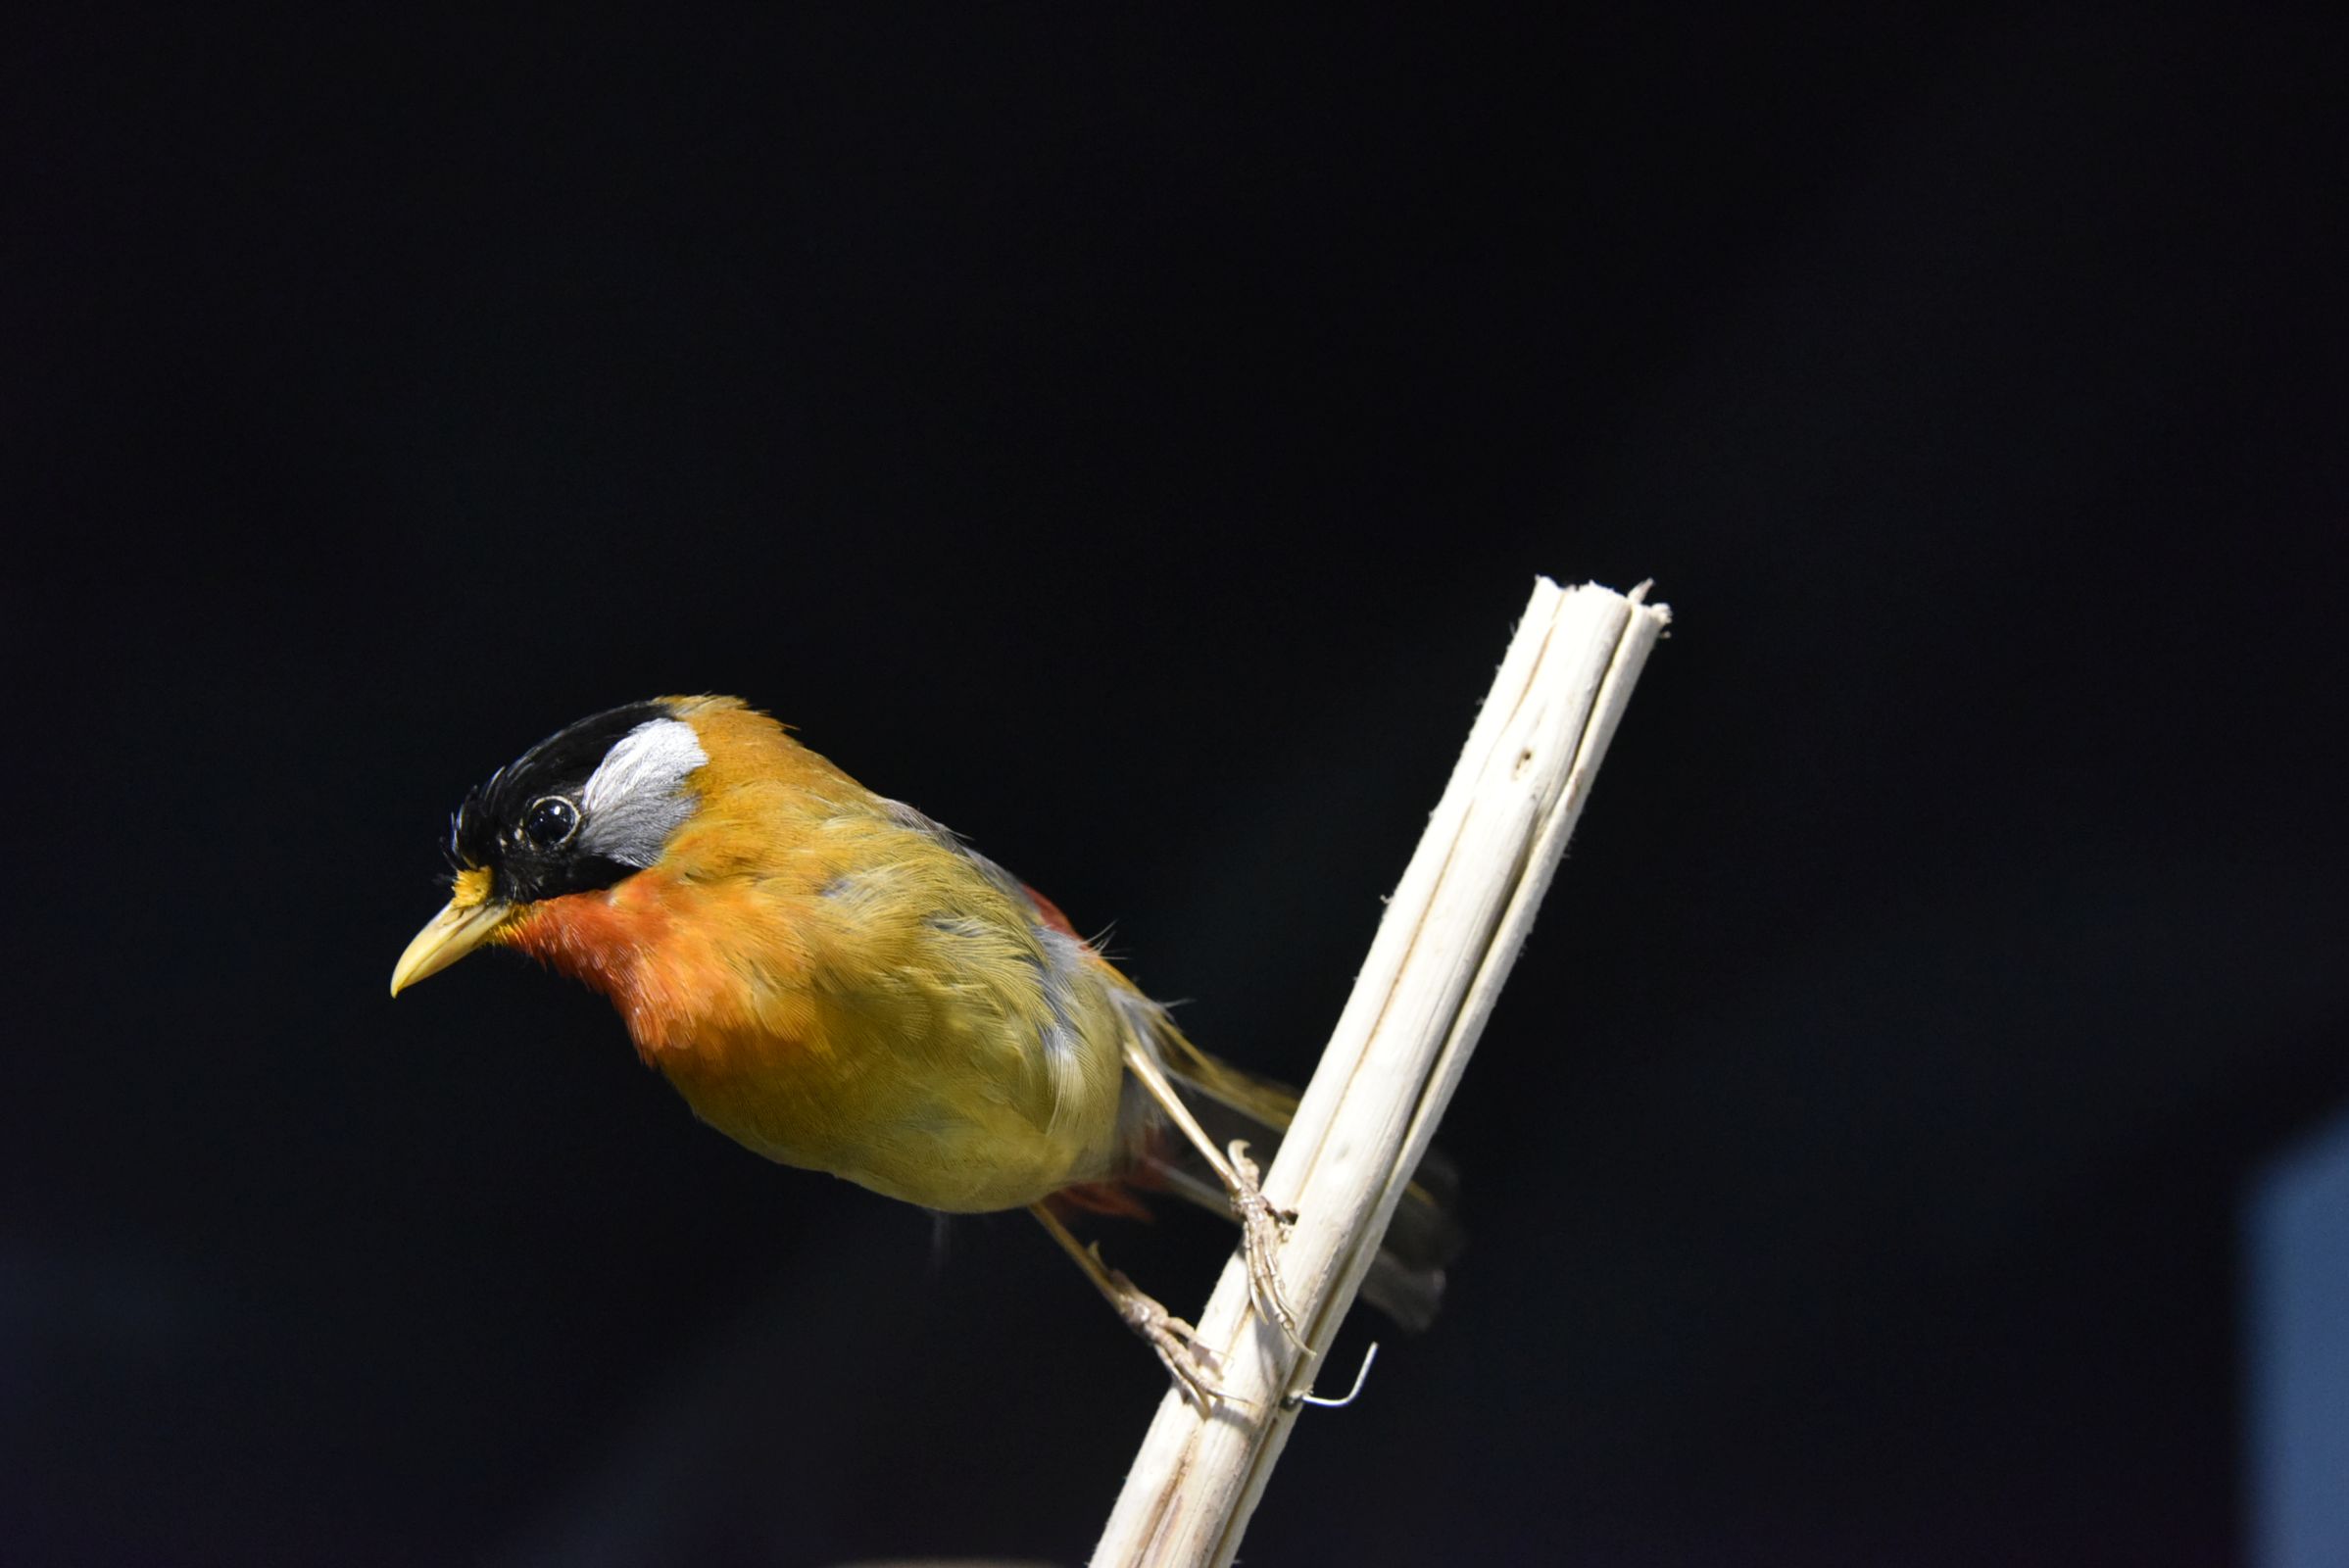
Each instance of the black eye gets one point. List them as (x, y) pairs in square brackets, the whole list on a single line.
[(551, 821)]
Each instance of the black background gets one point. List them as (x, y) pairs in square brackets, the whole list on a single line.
[(1130, 438)]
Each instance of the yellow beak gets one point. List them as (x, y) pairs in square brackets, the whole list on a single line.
[(472, 918)]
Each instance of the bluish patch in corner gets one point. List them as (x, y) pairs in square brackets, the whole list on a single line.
[(2297, 1354)]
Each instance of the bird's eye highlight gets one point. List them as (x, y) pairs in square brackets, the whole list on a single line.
[(550, 822)]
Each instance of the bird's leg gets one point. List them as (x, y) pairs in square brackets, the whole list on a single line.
[(1261, 1226), (1191, 1363)]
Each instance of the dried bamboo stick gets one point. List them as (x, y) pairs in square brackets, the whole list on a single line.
[(1450, 933)]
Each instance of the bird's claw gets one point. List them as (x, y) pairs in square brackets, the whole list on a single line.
[(1263, 1228), (1190, 1364)]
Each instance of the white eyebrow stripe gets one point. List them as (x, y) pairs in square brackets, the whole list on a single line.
[(634, 799)]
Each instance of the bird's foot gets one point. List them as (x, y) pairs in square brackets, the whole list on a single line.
[(1263, 1228), (1192, 1364)]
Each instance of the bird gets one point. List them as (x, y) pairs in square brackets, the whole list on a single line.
[(839, 983)]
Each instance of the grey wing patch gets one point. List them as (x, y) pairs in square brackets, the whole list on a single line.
[(1145, 1023), (1061, 972), (923, 822), (931, 828)]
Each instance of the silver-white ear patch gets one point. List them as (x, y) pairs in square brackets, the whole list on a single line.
[(636, 797)]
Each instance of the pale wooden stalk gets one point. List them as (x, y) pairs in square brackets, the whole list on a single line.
[(1450, 932)]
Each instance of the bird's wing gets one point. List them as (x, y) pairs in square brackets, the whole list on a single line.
[(1016, 960)]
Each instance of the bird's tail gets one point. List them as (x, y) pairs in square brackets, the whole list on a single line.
[(1405, 1280)]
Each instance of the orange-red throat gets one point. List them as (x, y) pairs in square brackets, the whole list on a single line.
[(623, 941)]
